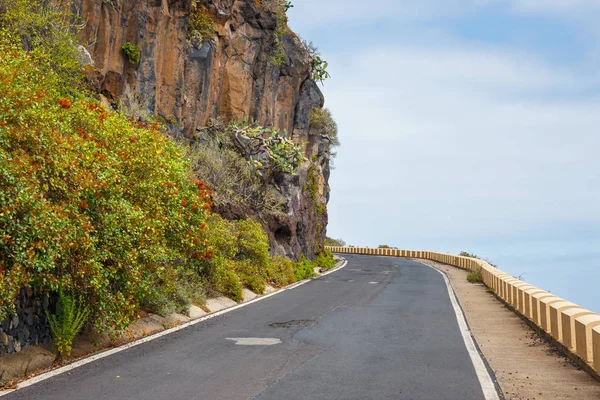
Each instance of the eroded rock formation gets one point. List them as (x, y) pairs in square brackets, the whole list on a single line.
[(229, 75)]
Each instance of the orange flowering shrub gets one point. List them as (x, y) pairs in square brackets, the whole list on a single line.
[(89, 201)]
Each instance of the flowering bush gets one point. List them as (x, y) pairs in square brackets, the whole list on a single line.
[(89, 201)]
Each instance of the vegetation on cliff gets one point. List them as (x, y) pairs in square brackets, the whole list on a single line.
[(102, 206)]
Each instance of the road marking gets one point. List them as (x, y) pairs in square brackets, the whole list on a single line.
[(373, 283), (96, 357), (483, 375), (253, 341)]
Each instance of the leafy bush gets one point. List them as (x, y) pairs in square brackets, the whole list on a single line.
[(89, 202), (323, 124), (465, 254), (251, 276), (304, 269), (64, 327), (334, 242), (325, 260), (238, 190), (132, 51), (240, 162), (318, 66), (281, 272), (253, 244), (201, 24), (475, 275), (45, 29), (224, 279), (184, 288)]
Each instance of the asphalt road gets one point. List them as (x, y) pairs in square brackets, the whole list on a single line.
[(381, 328)]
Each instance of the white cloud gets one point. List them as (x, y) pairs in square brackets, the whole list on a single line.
[(437, 142)]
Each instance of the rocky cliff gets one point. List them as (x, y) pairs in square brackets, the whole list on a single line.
[(229, 73)]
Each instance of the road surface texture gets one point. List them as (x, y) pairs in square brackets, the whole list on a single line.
[(381, 328)]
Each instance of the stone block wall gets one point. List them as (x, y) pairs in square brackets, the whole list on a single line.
[(29, 325)]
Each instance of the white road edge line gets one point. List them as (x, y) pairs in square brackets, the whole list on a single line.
[(483, 375), (95, 357)]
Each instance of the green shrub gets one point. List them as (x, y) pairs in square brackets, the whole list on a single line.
[(201, 25), (253, 244), (90, 203), (225, 280), (241, 175), (46, 30), (184, 288), (132, 51), (318, 67), (281, 272), (465, 254), (334, 242), (304, 270), (323, 124), (475, 275), (251, 276), (65, 326), (222, 237), (325, 260)]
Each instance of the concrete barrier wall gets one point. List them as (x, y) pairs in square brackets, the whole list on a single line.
[(574, 327)]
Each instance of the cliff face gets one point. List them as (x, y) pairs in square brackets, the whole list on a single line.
[(230, 75)]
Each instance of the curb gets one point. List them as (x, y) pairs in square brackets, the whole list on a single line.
[(106, 353)]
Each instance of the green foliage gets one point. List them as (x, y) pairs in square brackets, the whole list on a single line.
[(64, 327), (132, 51), (475, 275), (184, 288), (312, 184), (224, 279), (266, 149), (323, 124), (466, 254), (334, 242), (281, 272), (45, 29), (89, 202), (201, 25), (253, 243), (318, 66), (384, 246), (325, 260), (238, 189), (240, 253), (304, 270), (279, 8), (253, 257)]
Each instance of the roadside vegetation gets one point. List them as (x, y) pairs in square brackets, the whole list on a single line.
[(475, 275), (105, 209), (466, 254), (330, 242)]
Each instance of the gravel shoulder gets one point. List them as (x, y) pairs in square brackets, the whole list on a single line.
[(526, 366)]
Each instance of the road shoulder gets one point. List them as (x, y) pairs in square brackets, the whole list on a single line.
[(526, 367)]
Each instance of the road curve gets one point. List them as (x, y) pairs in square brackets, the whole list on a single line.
[(381, 328)]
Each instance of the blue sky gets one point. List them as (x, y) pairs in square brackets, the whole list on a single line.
[(468, 125)]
